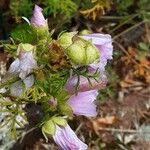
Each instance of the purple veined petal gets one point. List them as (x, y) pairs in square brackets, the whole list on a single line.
[(66, 139), (83, 103), (29, 81), (38, 19), (14, 67), (27, 63), (97, 38), (84, 83)]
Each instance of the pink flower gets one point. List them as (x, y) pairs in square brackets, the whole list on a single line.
[(84, 84), (38, 19), (23, 65), (104, 43), (83, 103), (66, 139)]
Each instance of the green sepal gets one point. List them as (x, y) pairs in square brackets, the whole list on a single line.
[(59, 121), (65, 109), (63, 96), (26, 47), (48, 129), (92, 53), (41, 32), (65, 39), (76, 53)]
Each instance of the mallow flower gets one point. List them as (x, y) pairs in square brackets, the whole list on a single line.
[(104, 43), (65, 138), (25, 62), (62, 134), (38, 19), (84, 84), (83, 103)]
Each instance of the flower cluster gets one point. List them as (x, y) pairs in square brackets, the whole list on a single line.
[(62, 76)]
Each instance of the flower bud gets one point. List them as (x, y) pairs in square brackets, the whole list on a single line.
[(48, 128), (82, 52), (38, 19), (25, 48), (59, 121), (65, 39), (92, 54), (39, 24), (76, 54), (64, 109), (84, 32)]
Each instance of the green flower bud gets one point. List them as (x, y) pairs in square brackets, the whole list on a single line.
[(59, 121), (92, 54), (85, 32), (41, 32), (76, 54), (82, 52), (48, 129), (65, 39), (26, 47)]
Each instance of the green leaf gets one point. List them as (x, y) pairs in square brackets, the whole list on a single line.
[(143, 46)]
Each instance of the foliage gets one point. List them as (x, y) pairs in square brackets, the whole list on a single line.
[(65, 8), (21, 7), (22, 33), (98, 8)]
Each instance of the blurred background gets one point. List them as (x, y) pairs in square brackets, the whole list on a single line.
[(123, 122)]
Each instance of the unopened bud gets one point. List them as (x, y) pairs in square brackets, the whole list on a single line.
[(65, 40), (82, 52)]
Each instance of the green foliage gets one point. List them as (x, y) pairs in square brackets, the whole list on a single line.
[(123, 6), (66, 8), (21, 7), (23, 34), (52, 84)]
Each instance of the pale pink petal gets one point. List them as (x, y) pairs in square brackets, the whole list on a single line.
[(27, 63), (84, 84), (66, 139), (83, 103), (29, 81), (104, 43), (14, 67), (38, 19)]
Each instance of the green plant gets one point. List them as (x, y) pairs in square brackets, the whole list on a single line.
[(66, 8)]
